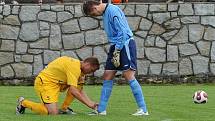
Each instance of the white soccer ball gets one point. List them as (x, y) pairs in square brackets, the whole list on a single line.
[(200, 97)]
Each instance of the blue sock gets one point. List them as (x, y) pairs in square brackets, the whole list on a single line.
[(105, 94), (137, 92)]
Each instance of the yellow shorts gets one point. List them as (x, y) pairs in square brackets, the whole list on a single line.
[(46, 89)]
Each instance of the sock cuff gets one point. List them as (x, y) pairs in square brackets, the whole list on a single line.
[(131, 81), (108, 82)]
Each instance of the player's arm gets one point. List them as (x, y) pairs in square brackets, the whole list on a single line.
[(81, 97), (120, 30), (85, 95), (81, 89)]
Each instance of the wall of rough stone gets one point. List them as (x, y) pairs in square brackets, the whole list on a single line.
[(172, 39), (130, 1)]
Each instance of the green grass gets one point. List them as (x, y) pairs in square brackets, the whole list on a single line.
[(165, 103)]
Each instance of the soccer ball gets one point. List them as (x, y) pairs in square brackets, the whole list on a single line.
[(200, 97)]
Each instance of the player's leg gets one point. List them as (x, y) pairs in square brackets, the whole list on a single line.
[(109, 74), (129, 58), (67, 101), (52, 108), (35, 107), (48, 93), (106, 89), (137, 92), (40, 108), (65, 106)]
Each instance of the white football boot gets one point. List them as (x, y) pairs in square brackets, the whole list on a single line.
[(140, 112), (19, 108), (95, 112)]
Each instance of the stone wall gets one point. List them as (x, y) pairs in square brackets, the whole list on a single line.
[(172, 40), (130, 1)]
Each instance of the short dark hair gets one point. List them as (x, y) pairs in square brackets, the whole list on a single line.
[(88, 6), (93, 61)]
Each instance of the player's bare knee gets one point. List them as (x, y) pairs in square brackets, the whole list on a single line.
[(109, 75), (129, 75), (53, 112), (52, 108)]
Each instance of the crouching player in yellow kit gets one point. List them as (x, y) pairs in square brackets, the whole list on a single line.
[(60, 74)]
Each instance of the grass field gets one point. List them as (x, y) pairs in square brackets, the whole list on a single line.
[(165, 103)]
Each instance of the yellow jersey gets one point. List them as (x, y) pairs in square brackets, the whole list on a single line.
[(63, 70)]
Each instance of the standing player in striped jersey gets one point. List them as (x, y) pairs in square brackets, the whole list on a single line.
[(121, 56)]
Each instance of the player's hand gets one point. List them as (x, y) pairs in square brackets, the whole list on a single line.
[(93, 105), (116, 58), (96, 106)]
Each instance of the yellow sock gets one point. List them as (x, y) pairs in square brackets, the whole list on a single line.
[(69, 98), (35, 107)]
